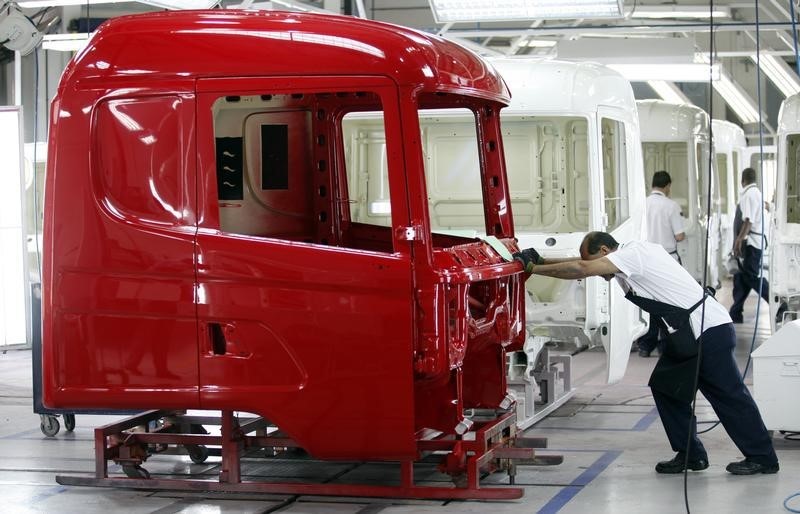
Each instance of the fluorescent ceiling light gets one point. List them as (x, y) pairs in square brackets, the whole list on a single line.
[(449, 11), (779, 73), (688, 72), (66, 42), (540, 43), (679, 11), (668, 91), (288, 4), (740, 102)]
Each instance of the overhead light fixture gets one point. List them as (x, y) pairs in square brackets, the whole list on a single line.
[(540, 43), (66, 42), (686, 72), (452, 11), (779, 73), (284, 4), (739, 101), (680, 11), (668, 91)]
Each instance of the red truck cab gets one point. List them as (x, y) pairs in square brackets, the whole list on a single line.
[(201, 250)]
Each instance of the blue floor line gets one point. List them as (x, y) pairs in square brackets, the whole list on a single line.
[(646, 421), (640, 426), (569, 492), (47, 493)]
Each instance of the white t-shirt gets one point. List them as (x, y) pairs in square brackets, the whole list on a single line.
[(664, 221), (652, 273), (751, 204)]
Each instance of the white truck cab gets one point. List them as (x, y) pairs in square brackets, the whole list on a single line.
[(571, 141), (675, 139), (784, 238), (572, 149), (729, 151)]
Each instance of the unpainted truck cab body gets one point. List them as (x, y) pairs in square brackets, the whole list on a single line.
[(199, 245), (729, 149), (675, 139), (784, 239), (572, 149)]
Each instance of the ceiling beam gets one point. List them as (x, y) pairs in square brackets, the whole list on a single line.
[(599, 30)]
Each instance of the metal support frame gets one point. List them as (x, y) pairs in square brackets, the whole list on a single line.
[(552, 378), (492, 446)]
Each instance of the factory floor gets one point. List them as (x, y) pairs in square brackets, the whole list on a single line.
[(610, 437)]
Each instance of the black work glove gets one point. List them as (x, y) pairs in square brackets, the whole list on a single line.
[(528, 258)]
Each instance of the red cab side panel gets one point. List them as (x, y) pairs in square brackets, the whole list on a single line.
[(119, 291)]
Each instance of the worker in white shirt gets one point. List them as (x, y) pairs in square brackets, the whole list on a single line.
[(659, 285), (748, 245), (664, 220), (664, 227)]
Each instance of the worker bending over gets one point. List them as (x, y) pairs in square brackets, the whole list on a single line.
[(654, 281)]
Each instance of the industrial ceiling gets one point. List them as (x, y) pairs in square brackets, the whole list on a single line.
[(748, 87)]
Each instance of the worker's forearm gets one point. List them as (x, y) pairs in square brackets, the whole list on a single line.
[(744, 230), (557, 260), (568, 270)]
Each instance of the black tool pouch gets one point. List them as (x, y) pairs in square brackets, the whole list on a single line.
[(675, 370), (681, 343)]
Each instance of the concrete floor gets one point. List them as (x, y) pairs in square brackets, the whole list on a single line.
[(610, 437)]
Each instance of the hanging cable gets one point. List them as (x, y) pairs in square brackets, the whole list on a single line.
[(714, 423), (761, 175), (786, 502), (709, 178)]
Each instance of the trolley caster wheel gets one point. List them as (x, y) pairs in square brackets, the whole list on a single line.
[(197, 452), (69, 422), (49, 425), (135, 471)]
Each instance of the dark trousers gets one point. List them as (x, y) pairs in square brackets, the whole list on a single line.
[(649, 341), (722, 385), (747, 280)]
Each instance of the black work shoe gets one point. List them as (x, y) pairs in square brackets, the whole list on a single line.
[(736, 319), (644, 353), (748, 467), (676, 465)]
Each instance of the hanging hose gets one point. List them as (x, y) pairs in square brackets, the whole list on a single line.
[(714, 423), (786, 502), (692, 422)]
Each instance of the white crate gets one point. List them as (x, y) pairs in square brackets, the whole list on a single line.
[(776, 378)]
